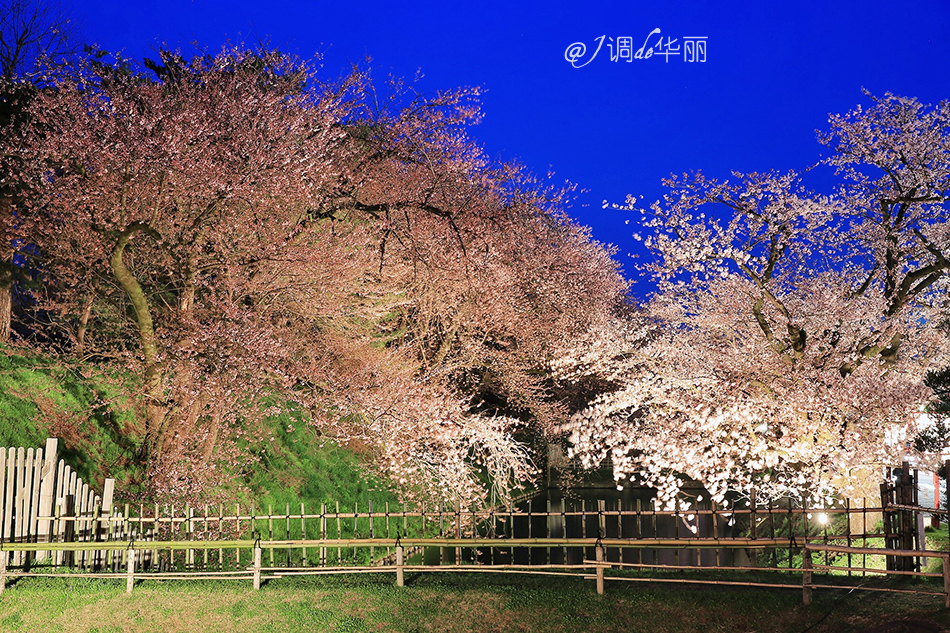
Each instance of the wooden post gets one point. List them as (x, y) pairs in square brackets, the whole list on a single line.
[(752, 518), (4, 555), (388, 550), (69, 526), (47, 485), (601, 524), (9, 496), (56, 558), (221, 535), (599, 554), (889, 541), (458, 527), (189, 534), (108, 493), (303, 530), (130, 571), (95, 557), (287, 527), (564, 528), (323, 534), (18, 509), (400, 580), (906, 493), (257, 567), (547, 524), (205, 554), (946, 476), (270, 531), (638, 531), (946, 581), (806, 576), (237, 531), (847, 509)]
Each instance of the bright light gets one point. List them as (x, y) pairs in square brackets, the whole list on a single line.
[(823, 519)]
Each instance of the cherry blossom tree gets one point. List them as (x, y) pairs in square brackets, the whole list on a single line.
[(786, 346), (174, 187), (232, 228)]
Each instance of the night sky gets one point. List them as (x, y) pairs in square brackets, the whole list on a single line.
[(751, 101)]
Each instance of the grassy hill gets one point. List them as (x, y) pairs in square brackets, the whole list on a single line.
[(101, 431)]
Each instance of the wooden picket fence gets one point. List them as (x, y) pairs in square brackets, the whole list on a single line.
[(34, 486)]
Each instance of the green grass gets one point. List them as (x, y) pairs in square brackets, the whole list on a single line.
[(937, 538), (443, 602)]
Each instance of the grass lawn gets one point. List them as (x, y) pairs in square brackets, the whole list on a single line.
[(443, 602)]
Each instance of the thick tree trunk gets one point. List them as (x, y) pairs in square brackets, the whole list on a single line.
[(6, 308), (6, 267), (83, 324), (155, 410), (212, 439)]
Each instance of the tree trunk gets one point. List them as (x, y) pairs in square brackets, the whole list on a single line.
[(211, 441), (6, 306), (155, 410), (6, 266), (83, 324)]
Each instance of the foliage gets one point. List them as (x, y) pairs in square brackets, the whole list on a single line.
[(34, 36), (786, 346)]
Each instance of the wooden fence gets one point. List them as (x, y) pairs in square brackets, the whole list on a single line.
[(767, 537), (54, 524), (590, 569)]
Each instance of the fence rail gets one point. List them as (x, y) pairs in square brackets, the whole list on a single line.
[(130, 557)]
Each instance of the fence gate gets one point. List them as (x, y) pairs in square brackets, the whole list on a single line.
[(901, 514)]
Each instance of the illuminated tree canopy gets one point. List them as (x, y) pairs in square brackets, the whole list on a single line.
[(786, 345)]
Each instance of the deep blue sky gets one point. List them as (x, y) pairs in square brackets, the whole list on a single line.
[(773, 72)]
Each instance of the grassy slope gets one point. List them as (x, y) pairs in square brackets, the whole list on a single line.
[(298, 466), (40, 398), (99, 433)]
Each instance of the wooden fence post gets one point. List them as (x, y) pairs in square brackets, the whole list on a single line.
[(946, 580), (400, 580), (47, 488), (3, 570), (806, 576), (906, 495), (257, 567), (946, 476), (599, 555), (130, 571)]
